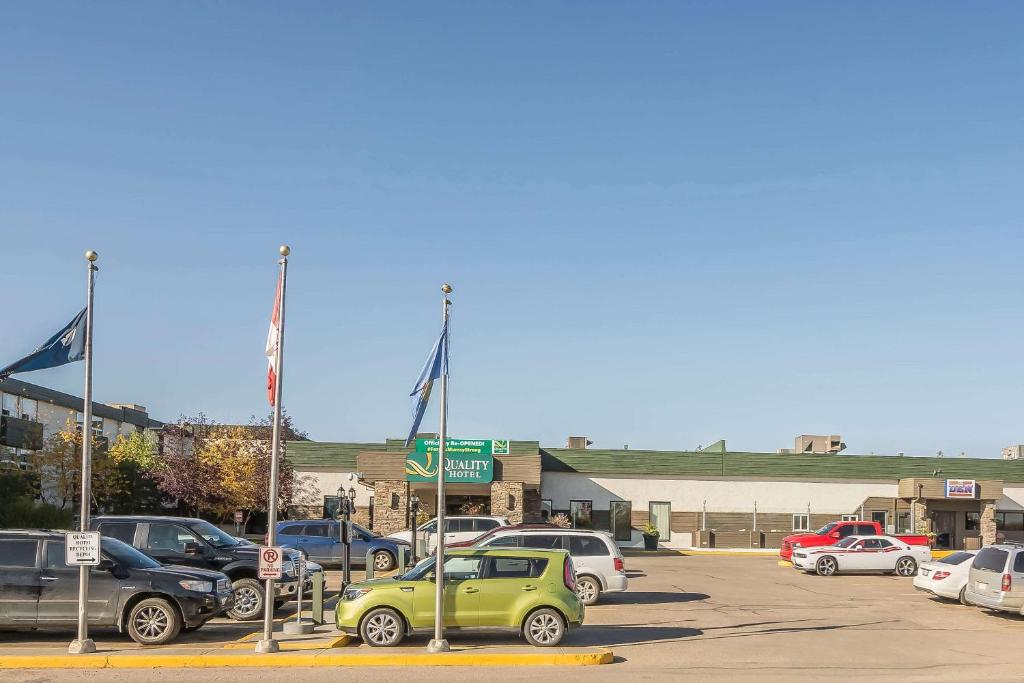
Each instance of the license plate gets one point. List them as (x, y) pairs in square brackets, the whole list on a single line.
[(925, 572), (980, 585)]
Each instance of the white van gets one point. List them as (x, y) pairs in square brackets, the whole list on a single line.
[(599, 564)]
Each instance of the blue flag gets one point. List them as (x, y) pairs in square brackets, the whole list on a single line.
[(66, 346), (436, 365)]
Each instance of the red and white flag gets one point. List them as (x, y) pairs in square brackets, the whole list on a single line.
[(272, 338)]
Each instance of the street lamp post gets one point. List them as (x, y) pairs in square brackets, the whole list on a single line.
[(414, 509), (347, 505)]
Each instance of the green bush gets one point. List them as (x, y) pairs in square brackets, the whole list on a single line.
[(24, 513)]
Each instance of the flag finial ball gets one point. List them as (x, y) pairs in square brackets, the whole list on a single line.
[(91, 255), (285, 250), (446, 288)]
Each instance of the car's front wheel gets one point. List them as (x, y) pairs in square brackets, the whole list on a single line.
[(544, 628), (826, 566), (383, 561), (588, 590), (382, 627), (153, 621), (248, 600), (906, 566)]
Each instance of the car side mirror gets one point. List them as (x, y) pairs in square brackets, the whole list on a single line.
[(834, 534), (193, 549), (431, 575), (858, 549), (106, 564)]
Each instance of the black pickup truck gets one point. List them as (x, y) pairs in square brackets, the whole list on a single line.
[(197, 543)]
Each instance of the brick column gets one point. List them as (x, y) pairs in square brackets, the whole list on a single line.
[(988, 523), (531, 506), (503, 493), (390, 506)]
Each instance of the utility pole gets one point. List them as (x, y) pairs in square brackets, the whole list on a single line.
[(439, 644)]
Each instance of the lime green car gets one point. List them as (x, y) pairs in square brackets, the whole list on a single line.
[(528, 591)]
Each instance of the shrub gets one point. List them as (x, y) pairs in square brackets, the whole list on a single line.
[(24, 513)]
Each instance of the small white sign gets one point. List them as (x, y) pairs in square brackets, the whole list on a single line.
[(82, 548), (271, 562)]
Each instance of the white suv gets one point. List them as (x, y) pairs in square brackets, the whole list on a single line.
[(456, 530), (598, 561)]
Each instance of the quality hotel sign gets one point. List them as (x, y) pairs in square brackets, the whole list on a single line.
[(466, 460)]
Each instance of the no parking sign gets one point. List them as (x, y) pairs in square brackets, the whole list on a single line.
[(271, 562)]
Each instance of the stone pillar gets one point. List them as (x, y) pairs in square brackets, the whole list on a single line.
[(390, 506), (531, 506), (922, 524), (988, 523), (507, 500)]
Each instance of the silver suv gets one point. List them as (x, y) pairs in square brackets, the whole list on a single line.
[(996, 580)]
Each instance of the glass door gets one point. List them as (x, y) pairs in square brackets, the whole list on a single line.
[(621, 512), (661, 517)]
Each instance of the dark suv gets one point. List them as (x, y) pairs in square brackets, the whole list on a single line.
[(197, 543), (128, 590)]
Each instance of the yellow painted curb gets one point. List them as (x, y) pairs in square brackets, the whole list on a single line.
[(939, 554), (288, 646), (785, 563), (209, 660)]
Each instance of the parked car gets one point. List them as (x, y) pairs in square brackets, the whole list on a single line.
[(946, 578), (600, 567), (996, 578), (527, 591), (197, 543), (457, 529), (833, 532), (856, 554), (513, 527), (127, 591), (320, 540)]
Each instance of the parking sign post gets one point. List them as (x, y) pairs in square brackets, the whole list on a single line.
[(438, 643)]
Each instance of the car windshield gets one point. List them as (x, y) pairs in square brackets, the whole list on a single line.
[(825, 529), (127, 556), (847, 542), (422, 568), (364, 531), (213, 535)]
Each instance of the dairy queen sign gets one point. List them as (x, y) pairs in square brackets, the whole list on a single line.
[(961, 488)]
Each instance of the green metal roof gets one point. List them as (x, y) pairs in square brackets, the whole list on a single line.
[(327, 453), (697, 463), (802, 465)]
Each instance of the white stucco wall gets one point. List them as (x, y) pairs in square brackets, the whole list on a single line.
[(320, 482), (1013, 498), (721, 495)]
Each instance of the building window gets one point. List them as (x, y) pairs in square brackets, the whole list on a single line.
[(10, 404), (621, 520), (850, 518), (545, 509), (1010, 521), (903, 523), (581, 513), (972, 521), (331, 506), (29, 409), (800, 522)]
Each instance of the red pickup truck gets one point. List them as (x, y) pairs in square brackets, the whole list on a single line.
[(833, 531)]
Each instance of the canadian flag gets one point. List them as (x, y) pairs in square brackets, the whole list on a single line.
[(272, 338)]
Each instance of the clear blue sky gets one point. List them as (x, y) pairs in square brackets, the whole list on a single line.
[(666, 223)]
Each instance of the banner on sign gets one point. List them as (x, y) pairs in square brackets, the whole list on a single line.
[(271, 562), (82, 549)]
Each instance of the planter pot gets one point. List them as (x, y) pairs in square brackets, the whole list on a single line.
[(650, 542)]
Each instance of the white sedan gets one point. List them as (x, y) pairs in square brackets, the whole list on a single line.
[(946, 578), (862, 554)]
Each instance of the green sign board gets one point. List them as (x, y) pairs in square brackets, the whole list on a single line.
[(466, 460), (468, 446)]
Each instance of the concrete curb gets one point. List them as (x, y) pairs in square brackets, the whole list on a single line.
[(209, 660), (293, 646)]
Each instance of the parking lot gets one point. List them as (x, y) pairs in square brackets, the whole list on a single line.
[(711, 618)]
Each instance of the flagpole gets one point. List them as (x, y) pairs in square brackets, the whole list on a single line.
[(83, 643), (439, 644), (268, 644)]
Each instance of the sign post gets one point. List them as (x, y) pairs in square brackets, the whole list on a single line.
[(271, 563), (83, 643)]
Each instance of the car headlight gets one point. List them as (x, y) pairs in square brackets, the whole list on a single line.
[(355, 593), (197, 586), (288, 568)]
